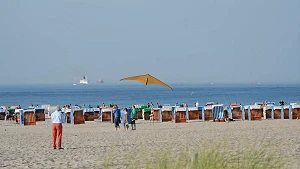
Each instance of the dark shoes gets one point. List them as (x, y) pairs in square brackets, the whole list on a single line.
[(58, 148)]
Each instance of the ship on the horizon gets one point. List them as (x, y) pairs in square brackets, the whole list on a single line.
[(100, 81), (84, 80)]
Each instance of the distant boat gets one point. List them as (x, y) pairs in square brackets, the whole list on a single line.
[(84, 80), (74, 84), (100, 81)]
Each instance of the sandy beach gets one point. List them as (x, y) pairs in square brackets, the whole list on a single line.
[(90, 145)]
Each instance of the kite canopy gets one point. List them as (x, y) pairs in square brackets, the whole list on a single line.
[(147, 79)]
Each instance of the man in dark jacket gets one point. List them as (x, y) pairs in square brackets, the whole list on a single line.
[(117, 116)]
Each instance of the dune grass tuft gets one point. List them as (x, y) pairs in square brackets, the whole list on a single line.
[(212, 156)]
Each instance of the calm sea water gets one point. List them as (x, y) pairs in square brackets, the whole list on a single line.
[(126, 95)]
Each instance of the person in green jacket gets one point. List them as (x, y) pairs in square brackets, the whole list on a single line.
[(133, 117)]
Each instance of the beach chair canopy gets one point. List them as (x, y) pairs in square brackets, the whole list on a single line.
[(218, 111), (147, 79)]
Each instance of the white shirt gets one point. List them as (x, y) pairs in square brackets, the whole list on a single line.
[(57, 117)]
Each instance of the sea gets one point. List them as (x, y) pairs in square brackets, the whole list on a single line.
[(132, 94)]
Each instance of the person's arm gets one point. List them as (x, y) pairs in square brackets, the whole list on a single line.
[(63, 118), (51, 115)]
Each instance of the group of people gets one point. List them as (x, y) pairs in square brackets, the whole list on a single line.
[(103, 106), (124, 119), (151, 105), (58, 118)]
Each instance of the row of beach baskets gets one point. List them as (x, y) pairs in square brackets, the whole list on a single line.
[(175, 114)]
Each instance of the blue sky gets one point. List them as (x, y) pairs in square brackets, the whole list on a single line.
[(177, 41)]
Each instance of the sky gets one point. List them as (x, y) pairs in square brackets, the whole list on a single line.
[(191, 41)]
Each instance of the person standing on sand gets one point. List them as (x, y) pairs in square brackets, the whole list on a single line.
[(125, 119), (151, 117), (133, 117), (117, 116), (57, 119)]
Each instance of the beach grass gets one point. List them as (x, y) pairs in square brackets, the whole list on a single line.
[(210, 156)]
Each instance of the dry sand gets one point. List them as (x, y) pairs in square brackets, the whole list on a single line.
[(89, 145)]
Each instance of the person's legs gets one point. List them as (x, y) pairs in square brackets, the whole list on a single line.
[(116, 123), (134, 127), (132, 121), (54, 134), (151, 118), (59, 134)]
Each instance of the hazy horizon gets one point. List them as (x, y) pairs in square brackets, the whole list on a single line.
[(189, 42), (134, 83)]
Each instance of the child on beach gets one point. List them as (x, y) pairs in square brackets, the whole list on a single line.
[(125, 120), (151, 117)]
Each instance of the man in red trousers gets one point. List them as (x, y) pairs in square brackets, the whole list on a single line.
[(57, 118)]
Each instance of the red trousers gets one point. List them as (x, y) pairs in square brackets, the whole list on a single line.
[(56, 133)]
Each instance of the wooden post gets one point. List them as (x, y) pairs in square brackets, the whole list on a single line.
[(282, 112), (243, 112), (290, 112), (272, 113)]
